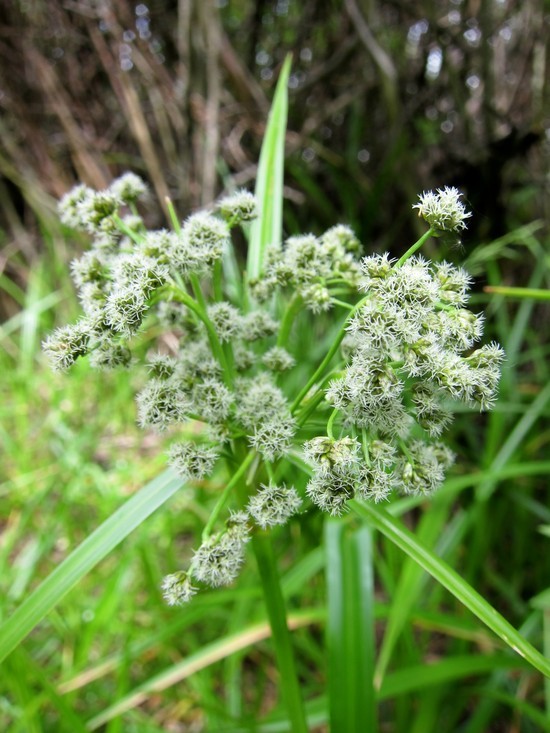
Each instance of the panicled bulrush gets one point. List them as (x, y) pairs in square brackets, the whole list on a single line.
[(238, 207), (273, 505), (335, 470), (108, 354), (443, 210), (192, 461), (129, 188), (177, 589), (207, 235), (220, 352), (263, 410), (219, 559), (258, 324), (162, 403), (226, 320), (66, 344), (278, 359), (313, 267)]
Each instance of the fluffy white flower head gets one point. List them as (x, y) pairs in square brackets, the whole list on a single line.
[(442, 209)]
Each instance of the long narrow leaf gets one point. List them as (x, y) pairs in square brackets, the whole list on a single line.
[(350, 628), (451, 580), (282, 643), (423, 676), (94, 548), (267, 228), (408, 588)]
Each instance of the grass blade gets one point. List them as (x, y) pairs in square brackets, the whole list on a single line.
[(408, 588), (282, 642), (350, 628), (451, 580), (94, 548), (268, 227), (423, 676)]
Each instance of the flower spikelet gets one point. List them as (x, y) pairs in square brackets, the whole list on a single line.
[(443, 210), (273, 505)]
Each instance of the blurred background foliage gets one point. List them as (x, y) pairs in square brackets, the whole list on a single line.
[(386, 99)]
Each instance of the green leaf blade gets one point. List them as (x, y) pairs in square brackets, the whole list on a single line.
[(268, 227), (451, 580), (350, 628), (88, 554)]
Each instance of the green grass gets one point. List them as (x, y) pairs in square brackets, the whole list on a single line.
[(406, 619), (112, 657)]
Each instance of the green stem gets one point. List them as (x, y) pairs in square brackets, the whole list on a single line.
[(534, 293), (222, 501), (365, 446), (225, 359), (331, 422), (342, 304), (312, 405), (416, 246), (328, 358), (288, 319), (317, 397), (173, 216), (215, 344), (125, 229), (217, 281), (273, 597), (350, 627)]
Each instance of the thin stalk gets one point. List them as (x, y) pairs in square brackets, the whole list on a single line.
[(173, 216), (330, 422), (273, 597), (217, 281), (193, 279), (215, 345), (288, 319), (534, 293), (220, 504), (342, 304), (328, 358), (311, 407), (125, 229), (416, 246), (316, 398)]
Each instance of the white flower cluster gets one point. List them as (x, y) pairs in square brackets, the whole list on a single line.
[(408, 353), (219, 559), (217, 562), (406, 366), (273, 505), (443, 210), (313, 267), (263, 411)]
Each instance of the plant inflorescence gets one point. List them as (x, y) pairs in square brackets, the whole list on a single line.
[(383, 393)]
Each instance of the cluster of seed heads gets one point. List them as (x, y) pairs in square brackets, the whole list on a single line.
[(408, 354)]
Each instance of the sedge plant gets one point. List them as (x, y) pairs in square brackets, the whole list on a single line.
[(404, 354), (366, 423)]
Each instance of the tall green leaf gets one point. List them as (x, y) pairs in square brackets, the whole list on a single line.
[(268, 227), (350, 628), (94, 548), (451, 580)]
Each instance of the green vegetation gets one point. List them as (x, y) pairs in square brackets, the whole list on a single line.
[(424, 613)]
